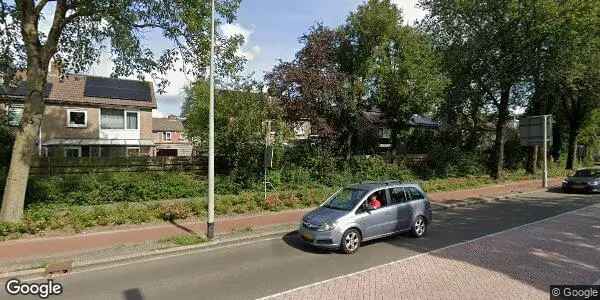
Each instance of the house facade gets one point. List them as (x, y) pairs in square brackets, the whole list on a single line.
[(89, 116), (169, 138)]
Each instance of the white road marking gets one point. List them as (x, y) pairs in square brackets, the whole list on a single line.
[(429, 252)]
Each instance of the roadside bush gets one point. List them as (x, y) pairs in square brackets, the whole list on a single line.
[(170, 211), (95, 189)]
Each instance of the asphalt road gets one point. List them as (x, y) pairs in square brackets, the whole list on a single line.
[(271, 266)]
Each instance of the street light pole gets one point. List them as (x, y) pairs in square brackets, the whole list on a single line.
[(210, 226)]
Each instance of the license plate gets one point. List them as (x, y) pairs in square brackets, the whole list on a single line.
[(307, 236), (578, 186)]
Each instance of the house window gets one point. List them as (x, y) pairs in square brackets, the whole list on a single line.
[(384, 132), (119, 119), (133, 151), (72, 152), (76, 118), (132, 120), (15, 114), (112, 119), (167, 136)]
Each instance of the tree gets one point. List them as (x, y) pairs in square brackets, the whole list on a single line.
[(406, 78), (590, 134), (78, 32), (491, 39), (240, 116), (574, 72), (372, 60), (314, 86)]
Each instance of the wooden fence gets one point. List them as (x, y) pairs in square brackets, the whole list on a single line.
[(85, 165)]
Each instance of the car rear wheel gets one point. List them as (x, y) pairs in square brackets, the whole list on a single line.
[(350, 241), (419, 227)]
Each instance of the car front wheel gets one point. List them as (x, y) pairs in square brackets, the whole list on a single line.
[(419, 227), (350, 241)]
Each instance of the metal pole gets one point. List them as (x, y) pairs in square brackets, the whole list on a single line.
[(545, 180), (210, 226)]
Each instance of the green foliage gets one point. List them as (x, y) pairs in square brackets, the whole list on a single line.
[(239, 127), (590, 134), (170, 211), (92, 189), (185, 240)]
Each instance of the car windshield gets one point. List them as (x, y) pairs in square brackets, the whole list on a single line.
[(587, 173), (345, 199)]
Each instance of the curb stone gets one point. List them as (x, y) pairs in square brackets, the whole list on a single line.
[(38, 273)]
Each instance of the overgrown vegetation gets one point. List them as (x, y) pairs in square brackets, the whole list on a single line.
[(185, 240), (74, 204)]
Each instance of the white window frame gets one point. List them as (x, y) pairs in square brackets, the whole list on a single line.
[(85, 118), (169, 134), (138, 119), (11, 107), (132, 148), (78, 148), (125, 127)]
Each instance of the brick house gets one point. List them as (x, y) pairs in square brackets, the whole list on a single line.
[(169, 137), (89, 116)]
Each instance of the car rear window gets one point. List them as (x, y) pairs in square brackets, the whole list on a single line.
[(397, 195), (414, 193)]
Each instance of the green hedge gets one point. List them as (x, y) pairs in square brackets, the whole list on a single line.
[(41, 218)]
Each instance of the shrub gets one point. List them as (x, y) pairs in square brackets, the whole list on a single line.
[(174, 210), (95, 189)]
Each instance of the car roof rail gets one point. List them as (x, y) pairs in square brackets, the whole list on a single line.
[(386, 182)]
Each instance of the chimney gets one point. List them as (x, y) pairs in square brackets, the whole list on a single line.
[(55, 69)]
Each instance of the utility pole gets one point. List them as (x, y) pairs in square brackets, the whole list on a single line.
[(210, 226), (545, 180)]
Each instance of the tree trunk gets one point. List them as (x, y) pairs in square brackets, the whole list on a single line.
[(532, 158), (572, 149), (498, 155), (24, 148), (394, 133), (348, 145)]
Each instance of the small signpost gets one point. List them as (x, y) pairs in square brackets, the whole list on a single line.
[(537, 130)]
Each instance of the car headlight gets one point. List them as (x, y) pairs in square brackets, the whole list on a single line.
[(597, 182), (326, 226)]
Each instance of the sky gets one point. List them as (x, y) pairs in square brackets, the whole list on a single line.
[(271, 29)]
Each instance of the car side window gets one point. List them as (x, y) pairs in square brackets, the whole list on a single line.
[(397, 196), (414, 193), (380, 196)]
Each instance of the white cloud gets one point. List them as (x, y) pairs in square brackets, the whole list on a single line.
[(410, 11), (157, 114), (247, 51)]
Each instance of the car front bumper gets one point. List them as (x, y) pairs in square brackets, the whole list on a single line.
[(321, 239)]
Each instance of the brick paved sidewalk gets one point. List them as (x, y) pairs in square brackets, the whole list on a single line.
[(520, 263), (67, 245)]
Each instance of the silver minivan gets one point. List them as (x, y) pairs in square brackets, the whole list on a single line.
[(367, 211)]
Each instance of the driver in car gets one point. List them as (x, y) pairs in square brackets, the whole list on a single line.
[(374, 202)]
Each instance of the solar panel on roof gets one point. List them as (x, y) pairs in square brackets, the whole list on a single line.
[(21, 90), (117, 89)]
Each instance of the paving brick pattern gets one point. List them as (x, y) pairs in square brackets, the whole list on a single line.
[(520, 263)]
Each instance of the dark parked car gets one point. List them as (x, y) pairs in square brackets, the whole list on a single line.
[(584, 180)]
